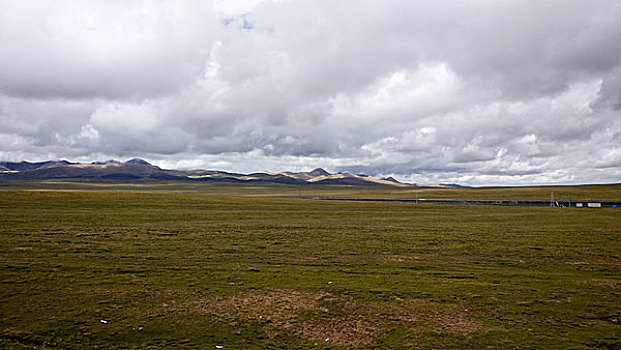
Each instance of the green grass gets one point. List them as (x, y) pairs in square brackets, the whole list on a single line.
[(575, 193), (242, 267)]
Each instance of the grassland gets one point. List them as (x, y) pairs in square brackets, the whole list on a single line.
[(584, 192), (199, 265)]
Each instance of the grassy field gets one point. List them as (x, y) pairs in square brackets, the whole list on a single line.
[(585, 192), (200, 265)]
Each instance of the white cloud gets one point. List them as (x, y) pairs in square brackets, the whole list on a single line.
[(111, 49)]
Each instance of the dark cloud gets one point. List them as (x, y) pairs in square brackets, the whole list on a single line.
[(444, 91)]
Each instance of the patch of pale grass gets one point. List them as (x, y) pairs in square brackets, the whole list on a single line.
[(342, 320)]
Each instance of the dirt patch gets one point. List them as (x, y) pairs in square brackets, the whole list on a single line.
[(608, 283), (338, 319), (303, 314), (458, 322), (352, 330), (272, 306), (614, 284)]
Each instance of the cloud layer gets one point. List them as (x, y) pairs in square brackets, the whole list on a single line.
[(473, 92)]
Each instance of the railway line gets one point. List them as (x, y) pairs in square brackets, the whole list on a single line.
[(501, 202)]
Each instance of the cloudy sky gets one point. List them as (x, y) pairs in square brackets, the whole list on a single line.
[(473, 92)]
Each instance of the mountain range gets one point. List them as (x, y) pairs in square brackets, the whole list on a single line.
[(135, 169)]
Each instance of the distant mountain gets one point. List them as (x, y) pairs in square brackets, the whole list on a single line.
[(137, 161), (136, 168), (319, 172), (25, 166), (452, 185), (109, 161), (66, 170), (390, 178), (315, 177)]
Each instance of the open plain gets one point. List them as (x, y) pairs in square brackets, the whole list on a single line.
[(204, 266)]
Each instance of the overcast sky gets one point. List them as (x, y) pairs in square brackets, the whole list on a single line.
[(472, 92)]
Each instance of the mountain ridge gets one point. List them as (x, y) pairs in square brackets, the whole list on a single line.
[(136, 168)]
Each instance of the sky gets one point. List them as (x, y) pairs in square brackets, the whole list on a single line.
[(471, 92)]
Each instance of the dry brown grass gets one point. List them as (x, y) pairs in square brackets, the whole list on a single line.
[(324, 316), (603, 283), (289, 312)]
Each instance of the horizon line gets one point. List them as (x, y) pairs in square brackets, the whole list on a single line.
[(535, 184)]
